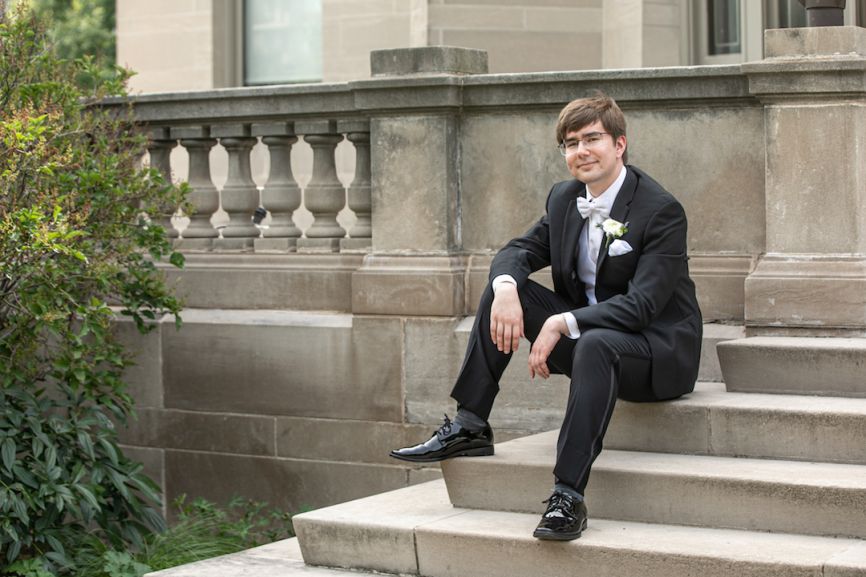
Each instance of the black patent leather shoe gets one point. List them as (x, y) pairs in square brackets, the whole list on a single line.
[(564, 520), (450, 440)]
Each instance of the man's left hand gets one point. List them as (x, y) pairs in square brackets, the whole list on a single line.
[(552, 330)]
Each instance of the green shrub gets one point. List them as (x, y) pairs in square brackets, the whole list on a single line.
[(77, 247)]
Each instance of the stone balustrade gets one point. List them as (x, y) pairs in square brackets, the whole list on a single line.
[(324, 195)]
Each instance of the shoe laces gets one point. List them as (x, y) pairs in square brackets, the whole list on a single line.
[(445, 429), (561, 503)]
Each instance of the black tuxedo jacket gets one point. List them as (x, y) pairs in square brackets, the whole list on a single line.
[(647, 290)]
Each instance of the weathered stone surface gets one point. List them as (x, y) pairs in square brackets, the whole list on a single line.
[(428, 60), (289, 484), (501, 545), (285, 363), (713, 335), (752, 494), (409, 285), (816, 41), (145, 376), (193, 430), (796, 365), (374, 533), (266, 281), (345, 440), (414, 182), (152, 459)]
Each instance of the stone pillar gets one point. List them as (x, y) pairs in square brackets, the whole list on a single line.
[(324, 195), (204, 198), (159, 146), (240, 197), (281, 195), (417, 265), (812, 278), (358, 133)]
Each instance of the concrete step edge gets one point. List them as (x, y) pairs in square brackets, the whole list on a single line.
[(414, 531)]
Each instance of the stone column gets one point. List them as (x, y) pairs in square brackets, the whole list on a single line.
[(417, 265), (324, 195), (358, 133), (199, 233), (281, 195), (812, 278), (240, 197), (159, 146)]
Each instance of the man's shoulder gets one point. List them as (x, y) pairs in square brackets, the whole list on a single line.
[(650, 190)]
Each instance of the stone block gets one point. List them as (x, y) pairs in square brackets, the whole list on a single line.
[(198, 431), (415, 183), (647, 427), (720, 285), (277, 245), (428, 60), (233, 244), (266, 281), (345, 440), (375, 533), (285, 363), (795, 365), (750, 494), (817, 41), (409, 285), (818, 294), (849, 563), (468, 17), (144, 378), (318, 245), (531, 50), (291, 485), (713, 335), (578, 20)]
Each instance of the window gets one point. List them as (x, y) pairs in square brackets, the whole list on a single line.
[(785, 14), (723, 25), (282, 41)]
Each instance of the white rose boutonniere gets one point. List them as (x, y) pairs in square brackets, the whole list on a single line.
[(613, 229)]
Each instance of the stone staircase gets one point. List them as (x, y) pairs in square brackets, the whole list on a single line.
[(717, 483)]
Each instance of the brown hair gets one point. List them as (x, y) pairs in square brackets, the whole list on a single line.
[(584, 111)]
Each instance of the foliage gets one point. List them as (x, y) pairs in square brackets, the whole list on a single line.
[(81, 29), (77, 245), (202, 531)]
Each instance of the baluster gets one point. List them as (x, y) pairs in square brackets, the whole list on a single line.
[(204, 198), (324, 195), (159, 146), (358, 133), (240, 197), (281, 195)]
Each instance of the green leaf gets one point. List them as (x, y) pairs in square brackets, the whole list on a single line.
[(7, 453), (177, 259)]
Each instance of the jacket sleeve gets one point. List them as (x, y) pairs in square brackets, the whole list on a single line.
[(659, 269), (525, 254)]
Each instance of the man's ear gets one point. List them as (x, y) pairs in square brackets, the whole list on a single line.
[(620, 146)]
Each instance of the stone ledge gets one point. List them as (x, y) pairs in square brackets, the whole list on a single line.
[(795, 365), (428, 60)]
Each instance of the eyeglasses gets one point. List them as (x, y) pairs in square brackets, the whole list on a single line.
[(590, 140)]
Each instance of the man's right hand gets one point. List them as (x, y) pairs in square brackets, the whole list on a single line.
[(506, 318)]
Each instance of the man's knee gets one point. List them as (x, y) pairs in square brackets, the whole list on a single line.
[(592, 345)]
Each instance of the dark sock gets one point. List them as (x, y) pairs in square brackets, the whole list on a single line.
[(469, 420), (568, 490)]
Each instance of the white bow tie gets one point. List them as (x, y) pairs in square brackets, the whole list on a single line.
[(587, 208)]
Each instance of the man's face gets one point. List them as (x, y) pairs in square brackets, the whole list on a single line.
[(596, 164)]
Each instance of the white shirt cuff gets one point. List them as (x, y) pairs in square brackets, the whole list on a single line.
[(500, 280), (571, 323)]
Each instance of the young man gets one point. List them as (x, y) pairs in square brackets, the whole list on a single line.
[(622, 320)]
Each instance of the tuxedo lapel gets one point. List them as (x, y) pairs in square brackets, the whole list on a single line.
[(572, 228), (618, 212)]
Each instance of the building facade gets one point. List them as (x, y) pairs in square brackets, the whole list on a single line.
[(176, 45)]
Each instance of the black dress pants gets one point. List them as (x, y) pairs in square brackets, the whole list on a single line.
[(603, 364)]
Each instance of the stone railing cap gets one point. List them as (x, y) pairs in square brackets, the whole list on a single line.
[(428, 60), (816, 41)]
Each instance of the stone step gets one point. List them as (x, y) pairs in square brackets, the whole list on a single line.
[(710, 421), (416, 531), (795, 365), (738, 493)]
